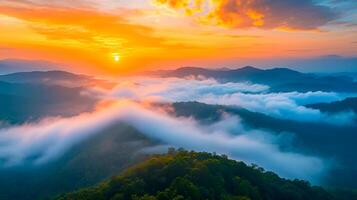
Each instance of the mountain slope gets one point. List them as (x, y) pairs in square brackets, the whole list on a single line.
[(324, 140), (39, 76), (195, 176), (23, 102), (93, 160), (348, 104), (62, 78), (28, 96)]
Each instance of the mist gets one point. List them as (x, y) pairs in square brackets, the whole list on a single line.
[(253, 97), (131, 100), (47, 140)]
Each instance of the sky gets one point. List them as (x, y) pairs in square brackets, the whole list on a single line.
[(122, 36)]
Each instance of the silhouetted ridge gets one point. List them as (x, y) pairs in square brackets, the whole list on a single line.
[(8, 66), (249, 68), (41, 75)]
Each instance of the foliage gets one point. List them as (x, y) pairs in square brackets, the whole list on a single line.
[(183, 175)]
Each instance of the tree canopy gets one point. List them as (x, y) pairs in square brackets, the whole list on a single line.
[(184, 175)]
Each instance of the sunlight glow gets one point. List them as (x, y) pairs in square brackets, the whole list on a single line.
[(116, 58)]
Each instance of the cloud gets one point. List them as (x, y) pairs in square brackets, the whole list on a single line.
[(254, 97), (88, 26), (284, 105), (176, 89), (266, 14), (171, 89), (44, 141)]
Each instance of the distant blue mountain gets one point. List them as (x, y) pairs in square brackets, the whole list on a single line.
[(49, 77), (53, 78), (279, 79), (21, 102), (17, 65), (26, 96)]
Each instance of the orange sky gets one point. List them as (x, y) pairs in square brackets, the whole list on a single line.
[(151, 34)]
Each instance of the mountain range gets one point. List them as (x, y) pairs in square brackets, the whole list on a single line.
[(279, 79), (27, 97), (8, 66), (32, 95)]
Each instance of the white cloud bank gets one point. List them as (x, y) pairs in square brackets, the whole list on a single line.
[(41, 142), (254, 97)]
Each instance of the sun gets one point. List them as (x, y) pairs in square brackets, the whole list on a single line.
[(116, 58)]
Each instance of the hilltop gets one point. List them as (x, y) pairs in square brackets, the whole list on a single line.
[(190, 175)]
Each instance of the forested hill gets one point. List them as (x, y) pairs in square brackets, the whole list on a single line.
[(183, 175)]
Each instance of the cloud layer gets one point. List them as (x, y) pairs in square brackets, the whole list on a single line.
[(254, 97), (288, 105), (44, 141), (283, 14), (41, 142)]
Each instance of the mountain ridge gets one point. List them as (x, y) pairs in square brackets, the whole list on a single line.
[(41, 75), (279, 79)]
